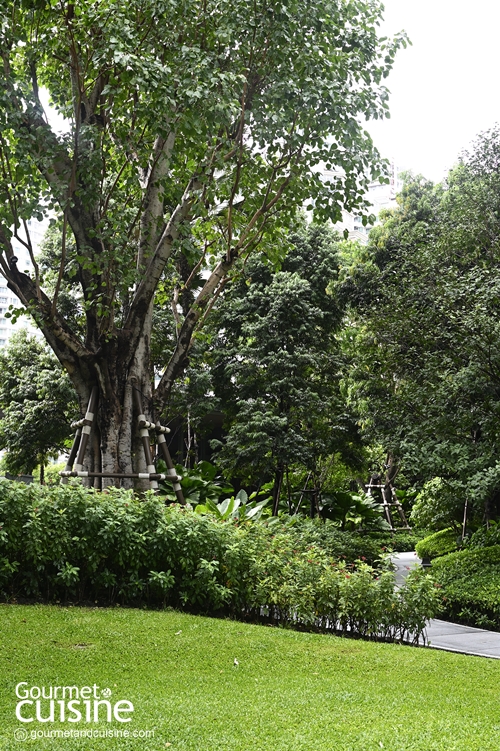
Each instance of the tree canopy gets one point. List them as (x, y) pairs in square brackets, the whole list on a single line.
[(37, 404), (193, 133), (425, 333), (277, 365)]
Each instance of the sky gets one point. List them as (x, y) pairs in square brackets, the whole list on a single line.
[(444, 88)]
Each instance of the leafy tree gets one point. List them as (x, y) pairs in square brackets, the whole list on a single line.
[(37, 403), (438, 505), (425, 334), (278, 364), (194, 131)]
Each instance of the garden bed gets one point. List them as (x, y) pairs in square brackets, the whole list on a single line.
[(69, 544)]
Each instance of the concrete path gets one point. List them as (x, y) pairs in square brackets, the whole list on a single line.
[(404, 562), (451, 637)]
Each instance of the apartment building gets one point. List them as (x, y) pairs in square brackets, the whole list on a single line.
[(381, 197)]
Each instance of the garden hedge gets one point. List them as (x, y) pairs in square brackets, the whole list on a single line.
[(439, 543), (69, 543), (470, 582)]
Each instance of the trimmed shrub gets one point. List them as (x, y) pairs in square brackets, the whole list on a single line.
[(485, 537), (68, 542), (440, 543), (470, 582)]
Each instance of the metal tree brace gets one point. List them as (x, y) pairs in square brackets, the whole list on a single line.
[(79, 447)]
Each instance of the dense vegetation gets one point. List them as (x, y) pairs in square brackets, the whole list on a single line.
[(37, 404), (328, 363), (392, 350), (326, 356), (470, 581), (68, 543), (425, 344)]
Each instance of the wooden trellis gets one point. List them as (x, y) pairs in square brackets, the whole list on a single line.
[(390, 501), (83, 430)]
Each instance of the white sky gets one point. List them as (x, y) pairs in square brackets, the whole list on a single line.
[(444, 88)]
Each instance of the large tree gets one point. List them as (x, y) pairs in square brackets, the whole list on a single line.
[(425, 331), (276, 366), (192, 129)]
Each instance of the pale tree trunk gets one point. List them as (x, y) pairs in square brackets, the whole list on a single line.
[(115, 444)]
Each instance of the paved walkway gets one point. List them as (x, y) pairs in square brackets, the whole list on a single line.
[(451, 637)]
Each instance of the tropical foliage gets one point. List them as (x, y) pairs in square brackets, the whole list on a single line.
[(425, 338), (74, 543), (37, 404), (276, 366)]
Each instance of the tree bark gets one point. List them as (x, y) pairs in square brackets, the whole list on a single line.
[(115, 445), (278, 481)]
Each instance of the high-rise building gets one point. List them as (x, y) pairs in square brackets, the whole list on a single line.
[(381, 196)]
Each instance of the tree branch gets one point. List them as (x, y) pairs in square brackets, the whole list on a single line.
[(146, 289), (26, 290), (152, 204), (177, 361)]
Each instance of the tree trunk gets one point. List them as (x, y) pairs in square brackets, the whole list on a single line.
[(278, 481), (115, 445)]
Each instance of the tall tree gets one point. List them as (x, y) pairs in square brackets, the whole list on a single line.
[(425, 343), (277, 364), (37, 404), (193, 129)]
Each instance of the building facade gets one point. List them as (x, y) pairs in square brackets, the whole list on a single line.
[(381, 196)]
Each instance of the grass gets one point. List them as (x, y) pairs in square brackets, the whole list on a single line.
[(290, 691)]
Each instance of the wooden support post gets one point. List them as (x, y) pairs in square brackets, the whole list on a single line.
[(73, 452), (400, 509), (464, 522), (162, 446), (386, 507), (85, 429), (144, 433), (81, 439), (128, 475)]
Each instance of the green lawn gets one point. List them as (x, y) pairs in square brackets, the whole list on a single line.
[(290, 691)]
